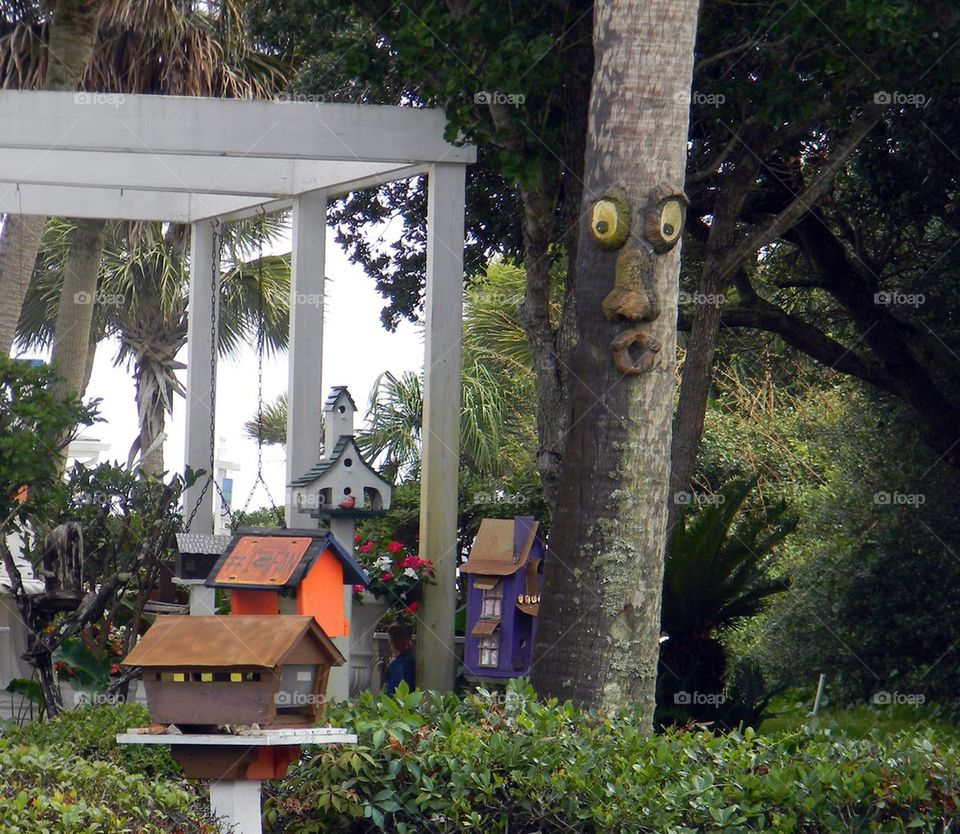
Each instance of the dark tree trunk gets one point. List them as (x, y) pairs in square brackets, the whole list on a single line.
[(701, 346), (600, 620)]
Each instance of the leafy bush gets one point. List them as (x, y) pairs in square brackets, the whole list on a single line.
[(46, 790), (718, 572), (498, 763), (89, 733)]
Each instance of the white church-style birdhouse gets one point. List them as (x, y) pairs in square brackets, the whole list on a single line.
[(342, 485)]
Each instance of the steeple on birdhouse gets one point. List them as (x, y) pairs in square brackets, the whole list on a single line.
[(342, 485), (338, 413)]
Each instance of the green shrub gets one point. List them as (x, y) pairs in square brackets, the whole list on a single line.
[(89, 733), (47, 790), (498, 763)]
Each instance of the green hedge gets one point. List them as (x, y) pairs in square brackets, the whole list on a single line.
[(507, 763), (90, 733), (50, 791)]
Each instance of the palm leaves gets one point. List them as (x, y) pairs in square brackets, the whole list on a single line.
[(152, 46), (715, 573), (497, 429), (395, 418), (142, 301)]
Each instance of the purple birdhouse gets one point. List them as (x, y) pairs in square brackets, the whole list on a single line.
[(504, 576)]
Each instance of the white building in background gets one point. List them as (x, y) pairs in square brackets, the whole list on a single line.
[(224, 474)]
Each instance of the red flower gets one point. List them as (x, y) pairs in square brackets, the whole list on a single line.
[(394, 547), (366, 547), (356, 538), (387, 576), (413, 606), (114, 668), (358, 589)]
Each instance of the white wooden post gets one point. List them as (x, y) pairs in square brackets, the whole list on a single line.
[(436, 658), (305, 391), (338, 683), (199, 392), (238, 803), (200, 344)]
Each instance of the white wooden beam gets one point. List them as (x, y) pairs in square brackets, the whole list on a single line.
[(201, 327), (305, 353), (256, 177), (436, 658), (224, 127), (115, 204), (334, 190)]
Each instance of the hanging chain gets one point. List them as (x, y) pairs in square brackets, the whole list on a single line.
[(261, 342)]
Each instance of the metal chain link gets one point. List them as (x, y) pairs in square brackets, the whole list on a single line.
[(261, 340)]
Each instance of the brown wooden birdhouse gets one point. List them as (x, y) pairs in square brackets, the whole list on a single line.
[(206, 671)]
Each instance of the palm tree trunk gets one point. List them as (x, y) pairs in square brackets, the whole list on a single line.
[(73, 29), (152, 423), (19, 242), (599, 624), (71, 336)]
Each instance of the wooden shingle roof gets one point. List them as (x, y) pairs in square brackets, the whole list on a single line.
[(502, 546), (217, 642)]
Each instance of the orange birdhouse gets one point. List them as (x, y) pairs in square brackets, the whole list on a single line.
[(259, 563)]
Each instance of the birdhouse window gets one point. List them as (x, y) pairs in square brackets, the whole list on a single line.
[(492, 601), (490, 651)]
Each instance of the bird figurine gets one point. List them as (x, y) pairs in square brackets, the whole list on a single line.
[(347, 503)]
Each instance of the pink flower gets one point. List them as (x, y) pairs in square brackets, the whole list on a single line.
[(387, 576), (358, 589), (366, 547), (394, 547), (356, 538)]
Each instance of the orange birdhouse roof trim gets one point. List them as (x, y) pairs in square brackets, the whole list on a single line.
[(271, 559)]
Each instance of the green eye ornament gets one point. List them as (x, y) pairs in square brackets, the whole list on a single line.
[(610, 221), (663, 224)]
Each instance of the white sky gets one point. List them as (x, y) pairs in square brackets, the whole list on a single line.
[(356, 350)]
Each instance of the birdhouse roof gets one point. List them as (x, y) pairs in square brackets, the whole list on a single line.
[(201, 543), (334, 395), (502, 546), (218, 642), (317, 471), (267, 558)]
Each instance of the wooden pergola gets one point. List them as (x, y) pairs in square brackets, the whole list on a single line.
[(208, 162)]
